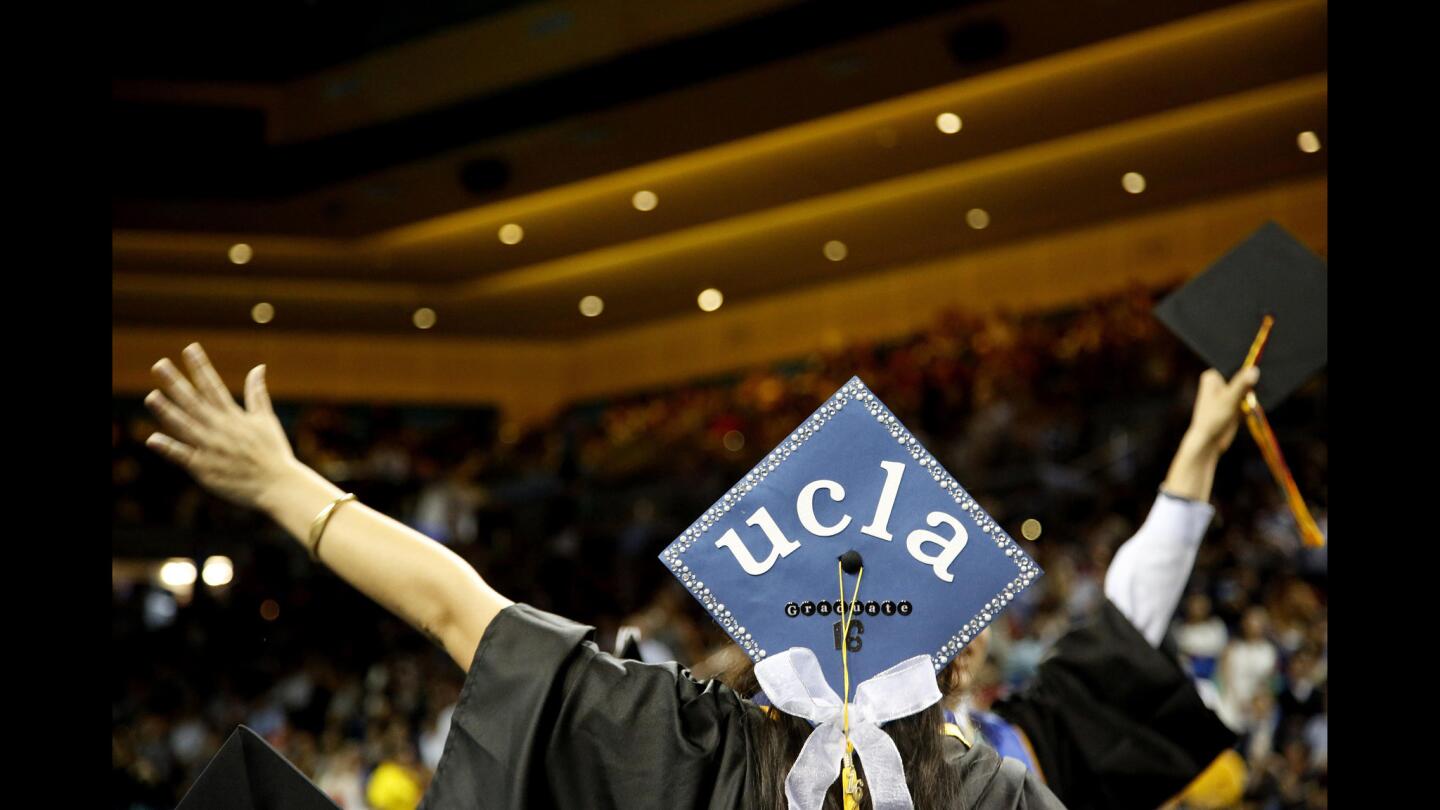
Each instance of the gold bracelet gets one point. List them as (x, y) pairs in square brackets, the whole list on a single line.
[(317, 527)]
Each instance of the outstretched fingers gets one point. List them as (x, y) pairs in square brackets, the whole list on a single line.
[(257, 396), (207, 379), (180, 392), (175, 420), (178, 452)]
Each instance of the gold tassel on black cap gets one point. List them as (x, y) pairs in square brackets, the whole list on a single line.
[(1264, 436)]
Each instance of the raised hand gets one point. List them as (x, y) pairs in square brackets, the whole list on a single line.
[(237, 453), (1217, 407), (1212, 429), (242, 454)]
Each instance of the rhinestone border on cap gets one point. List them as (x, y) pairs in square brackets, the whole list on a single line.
[(852, 391)]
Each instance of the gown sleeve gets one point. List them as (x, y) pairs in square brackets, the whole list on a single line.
[(1115, 722), (1147, 577), (989, 781), (545, 719)]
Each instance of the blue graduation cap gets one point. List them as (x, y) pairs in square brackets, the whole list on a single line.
[(933, 568)]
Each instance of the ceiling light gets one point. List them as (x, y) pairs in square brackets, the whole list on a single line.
[(644, 200), (710, 300), (240, 253)]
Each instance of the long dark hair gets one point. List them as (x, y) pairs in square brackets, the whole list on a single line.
[(776, 739)]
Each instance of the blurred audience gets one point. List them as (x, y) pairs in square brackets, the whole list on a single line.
[(1247, 671), (1068, 418), (1201, 637)]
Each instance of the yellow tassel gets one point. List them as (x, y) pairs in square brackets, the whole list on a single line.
[(854, 787), (851, 786), (1264, 436)]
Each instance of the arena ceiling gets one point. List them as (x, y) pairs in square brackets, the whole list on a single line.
[(372, 155)]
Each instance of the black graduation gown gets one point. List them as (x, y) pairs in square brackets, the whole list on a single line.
[(1114, 722), (546, 719)]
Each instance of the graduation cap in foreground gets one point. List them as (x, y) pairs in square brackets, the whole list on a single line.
[(248, 774), (847, 553), (1266, 298)]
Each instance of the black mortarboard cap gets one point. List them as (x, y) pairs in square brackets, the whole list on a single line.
[(1219, 311), (247, 774)]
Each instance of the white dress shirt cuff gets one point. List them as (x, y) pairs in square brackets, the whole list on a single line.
[(1147, 577)]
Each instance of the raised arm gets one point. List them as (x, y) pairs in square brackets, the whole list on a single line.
[(1148, 574), (242, 454)]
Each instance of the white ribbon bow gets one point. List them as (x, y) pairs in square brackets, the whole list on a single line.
[(793, 682)]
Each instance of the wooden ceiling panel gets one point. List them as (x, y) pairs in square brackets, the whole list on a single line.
[(803, 61), (1206, 106), (1204, 150)]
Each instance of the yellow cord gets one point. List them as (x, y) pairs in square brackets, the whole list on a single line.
[(848, 613)]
